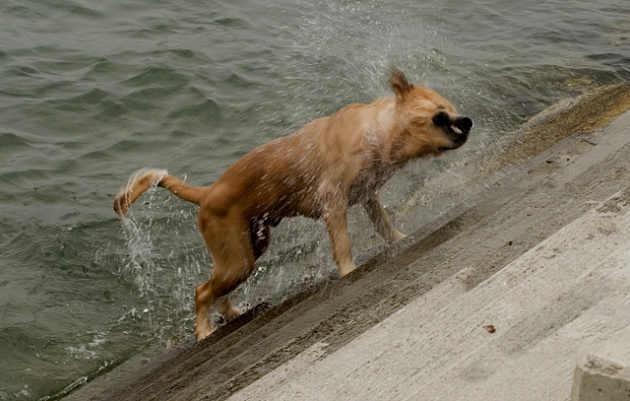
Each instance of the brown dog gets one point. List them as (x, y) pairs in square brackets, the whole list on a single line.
[(321, 170)]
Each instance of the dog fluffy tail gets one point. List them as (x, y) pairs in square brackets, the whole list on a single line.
[(144, 179)]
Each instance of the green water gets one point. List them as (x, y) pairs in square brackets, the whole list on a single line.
[(92, 90)]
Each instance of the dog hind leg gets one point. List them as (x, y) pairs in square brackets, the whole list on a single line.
[(229, 242)]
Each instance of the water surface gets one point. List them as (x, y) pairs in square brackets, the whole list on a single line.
[(92, 90)]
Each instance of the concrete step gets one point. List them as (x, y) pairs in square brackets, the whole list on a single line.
[(604, 373), (564, 298)]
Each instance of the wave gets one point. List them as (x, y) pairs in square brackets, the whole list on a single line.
[(11, 140)]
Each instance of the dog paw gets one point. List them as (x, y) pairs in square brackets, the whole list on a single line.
[(398, 236), (345, 269), (201, 334), (204, 328), (233, 313)]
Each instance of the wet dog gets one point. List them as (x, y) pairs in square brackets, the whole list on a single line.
[(319, 171)]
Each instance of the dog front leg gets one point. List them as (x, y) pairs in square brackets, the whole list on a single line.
[(335, 217), (381, 221)]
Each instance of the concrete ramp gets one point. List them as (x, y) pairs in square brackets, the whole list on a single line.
[(500, 298)]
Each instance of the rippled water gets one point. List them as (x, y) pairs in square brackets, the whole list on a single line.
[(92, 90)]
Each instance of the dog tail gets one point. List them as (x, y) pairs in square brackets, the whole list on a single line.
[(146, 178)]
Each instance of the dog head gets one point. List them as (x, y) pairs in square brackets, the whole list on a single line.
[(430, 123)]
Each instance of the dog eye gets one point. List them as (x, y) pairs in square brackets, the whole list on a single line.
[(442, 119)]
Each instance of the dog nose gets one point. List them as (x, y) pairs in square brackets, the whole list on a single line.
[(464, 123)]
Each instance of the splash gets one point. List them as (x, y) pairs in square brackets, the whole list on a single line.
[(140, 266), (164, 260)]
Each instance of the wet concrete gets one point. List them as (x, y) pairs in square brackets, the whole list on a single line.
[(562, 166)]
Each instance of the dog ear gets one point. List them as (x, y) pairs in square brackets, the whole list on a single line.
[(400, 85)]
